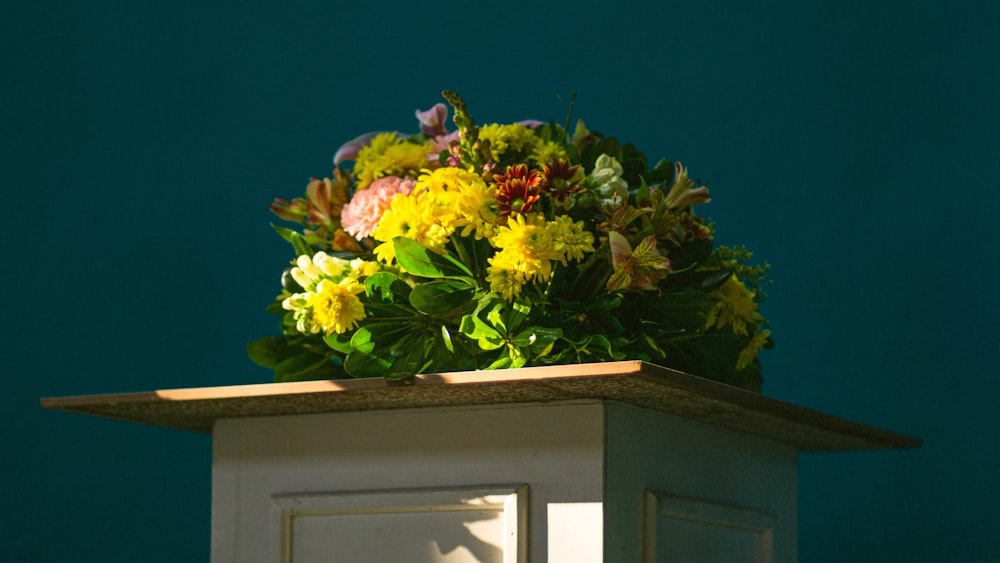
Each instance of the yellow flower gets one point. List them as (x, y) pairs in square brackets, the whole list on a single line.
[(328, 303), (477, 209), (385, 252), (734, 307), (361, 268), (547, 152), (755, 345), (439, 213), (528, 245), (402, 219), (457, 198), (510, 138), (503, 279), (390, 155), (336, 307), (572, 239)]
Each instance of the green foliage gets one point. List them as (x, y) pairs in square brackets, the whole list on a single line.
[(420, 261), (295, 359), (678, 300), (298, 241)]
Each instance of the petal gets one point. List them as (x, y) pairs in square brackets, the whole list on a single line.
[(432, 121), (620, 248), (350, 149)]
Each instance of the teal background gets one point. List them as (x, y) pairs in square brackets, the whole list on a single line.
[(851, 144)]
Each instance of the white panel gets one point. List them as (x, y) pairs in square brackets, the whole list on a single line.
[(576, 532), (555, 448), (682, 529), (652, 451), (451, 525)]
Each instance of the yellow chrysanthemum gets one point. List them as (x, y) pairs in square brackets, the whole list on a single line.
[(458, 198), (361, 268), (402, 219), (390, 155), (385, 253), (527, 244), (503, 279), (445, 179), (426, 216), (478, 210), (734, 307), (508, 138), (329, 307), (547, 152), (336, 307), (439, 211), (572, 238)]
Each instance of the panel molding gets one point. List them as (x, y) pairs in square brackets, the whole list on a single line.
[(509, 502), (662, 508)]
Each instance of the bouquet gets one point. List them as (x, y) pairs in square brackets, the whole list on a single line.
[(507, 245)]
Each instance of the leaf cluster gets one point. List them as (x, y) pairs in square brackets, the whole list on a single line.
[(436, 312)]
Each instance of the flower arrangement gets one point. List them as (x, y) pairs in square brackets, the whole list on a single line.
[(507, 245)]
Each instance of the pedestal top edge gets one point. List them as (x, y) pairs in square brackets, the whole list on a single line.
[(632, 382)]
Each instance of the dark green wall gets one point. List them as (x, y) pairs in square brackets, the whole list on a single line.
[(852, 144)]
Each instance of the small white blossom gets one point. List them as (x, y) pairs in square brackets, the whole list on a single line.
[(607, 176)]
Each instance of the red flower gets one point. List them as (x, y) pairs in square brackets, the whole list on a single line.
[(565, 179), (518, 189)]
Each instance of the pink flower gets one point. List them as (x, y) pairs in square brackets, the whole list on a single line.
[(432, 121), (360, 217)]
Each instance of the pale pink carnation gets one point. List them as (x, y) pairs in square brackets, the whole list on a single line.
[(360, 217)]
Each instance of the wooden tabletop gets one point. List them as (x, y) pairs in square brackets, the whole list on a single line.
[(631, 382)]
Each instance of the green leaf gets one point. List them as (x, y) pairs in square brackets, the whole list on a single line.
[(373, 357), (537, 340), (446, 339), (338, 342), (419, 261), (298, 242), (532, 335), (504, 362), (487, 337), (385, 287), (362, 341), (642, 193), (440, 296), (270, 351), (276, 307), (452, 353), (692, 251), (661, 172), (304, 366), (633, 164)]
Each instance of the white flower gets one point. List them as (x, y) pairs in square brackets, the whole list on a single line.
[(331, 266), (607, 176), (309, 271)]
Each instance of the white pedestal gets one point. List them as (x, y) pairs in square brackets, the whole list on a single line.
[(605, 462)]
